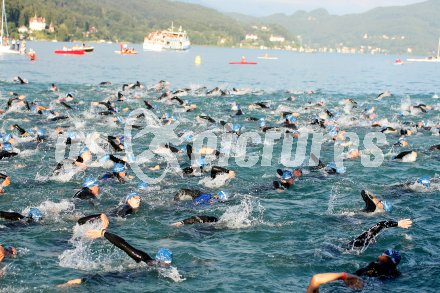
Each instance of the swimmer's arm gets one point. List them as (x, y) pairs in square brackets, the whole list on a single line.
[(12, 216), (115, 159), (350, 280), (195, 220), (86, 219), (216, 170), (72, 282), (370, 206), (135, 254)]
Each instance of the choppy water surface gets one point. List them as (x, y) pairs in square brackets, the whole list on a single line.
[(265, 241)]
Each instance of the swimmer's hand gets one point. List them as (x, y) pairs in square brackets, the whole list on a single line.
[(95, 234), (70, 283), (6, 182), (177, 224), (405, 223), (354, 282), (104, 221)]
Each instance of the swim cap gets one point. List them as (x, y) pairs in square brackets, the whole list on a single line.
[(164, 255), (394, 255), (189, 137), (35, 214), (41, 132), (387, 207), (118, 167), (122, 139), (89, 182), (222, 195), (201, 161), (425, 180), (7, 137), (83, 150), (130, 195), (262, 123), (286, 175), (236, 127), (9, 249), (7, 147), (142, 185), (167, 115), (291, 118)]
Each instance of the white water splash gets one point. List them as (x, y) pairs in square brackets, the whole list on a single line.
[(171, 273), (240, 216), (219, 181)]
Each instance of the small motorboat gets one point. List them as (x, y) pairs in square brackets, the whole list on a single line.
[(70, 51), (243, 62), (267, 57), (126, 52)]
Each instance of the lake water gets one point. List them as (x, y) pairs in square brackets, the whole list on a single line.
[(268, 241)]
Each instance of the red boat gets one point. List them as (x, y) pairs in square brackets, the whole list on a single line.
[(70, 51), (243, 61)]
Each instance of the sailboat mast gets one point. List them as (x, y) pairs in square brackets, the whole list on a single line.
[(438, 49), (3, 10)]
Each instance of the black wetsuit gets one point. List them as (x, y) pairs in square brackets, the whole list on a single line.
[(380, 270), (123, 211), (132, 252), (84, 193), (369, 236), (187, 194), (114, 175), (370, 206), (3, 176), (6, 154), (117, 146), (199, 219)]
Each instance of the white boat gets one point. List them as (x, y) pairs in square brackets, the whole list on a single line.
[(167, 40), (428, 59), (267, 57), (5, 48)]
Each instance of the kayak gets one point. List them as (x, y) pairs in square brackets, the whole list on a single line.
[(243, 63), (126, 53), (71, 52)]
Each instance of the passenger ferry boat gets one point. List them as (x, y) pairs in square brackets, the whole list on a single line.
[(167, 40)]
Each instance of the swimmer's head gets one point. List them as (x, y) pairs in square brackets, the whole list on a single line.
[(133, 200), (142, 185), (222, 195), (35, 214), (7, 147), (90, 182), (290, 118), (10, 250), (392, 255), (84, 150), (297, 173), (387, 207), (7, 138), (236, 128), (201, 162), (41, 132), (164, 256), (118, 168), (425, 180)]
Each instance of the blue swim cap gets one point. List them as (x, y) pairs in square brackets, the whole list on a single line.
[(164, 255), (35, 214), (189, 137), (394, 255), (222, 195), (83, 150), (236, 127), (286, 175), (387, 207), (90, 182), (7, 137), (142, 185), (130, 195), (201, 161), (118, 167), (291, 118), (425, 180), (41, 132), (167, 115), (122, 139), (7, 147), (262, 123)]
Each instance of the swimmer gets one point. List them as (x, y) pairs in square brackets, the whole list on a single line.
[(406, 156), (34, 215), (118, 173), (208, 198), (216, 170), (7, 151), (350, 281), (53, 88), (187, 194), (116, 142), (195, 220), (85, 155), (372, 204), (369, 237), (90, 189), (384, 268), (7, 251), (6, 182)]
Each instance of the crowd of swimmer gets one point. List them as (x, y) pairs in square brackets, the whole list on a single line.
[(15, 139)]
